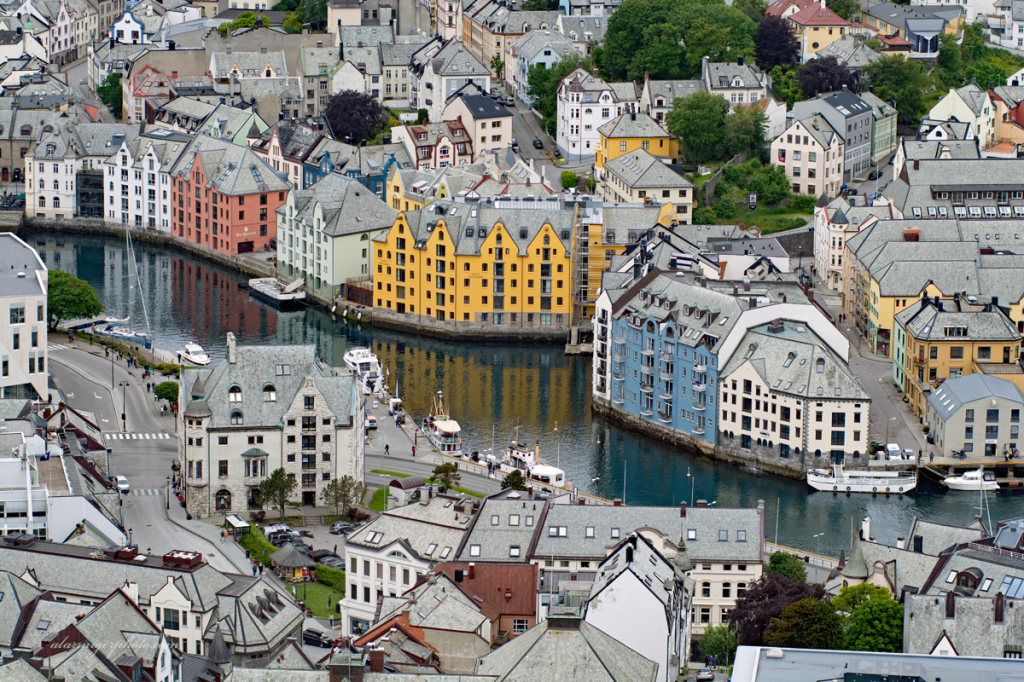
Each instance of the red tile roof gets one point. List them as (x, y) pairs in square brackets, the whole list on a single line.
[(816, 15), (492, 582), (894, 41), (779, 6)]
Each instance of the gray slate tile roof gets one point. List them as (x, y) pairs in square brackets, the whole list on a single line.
[(955, 130), (437, 604), (639, 169), (348, 207), (20, 670), (927, 322), (500, 525), (17, 595), (985, 565), (939, 149), (939, 537), (850, 52), (365, 36), (953, 394), (546, 654), (258, 366), (632, 125), (251, 64), (584, 27), (17, 256), (973, 631), (530, 45), (453, 60), (416, 527), (58, 614)]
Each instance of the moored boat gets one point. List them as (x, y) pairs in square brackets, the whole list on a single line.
[(840, 480), (277, 293), (443, 432), (972, 480), (194, 354)]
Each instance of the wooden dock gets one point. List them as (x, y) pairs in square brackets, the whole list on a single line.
[(1008, 474)]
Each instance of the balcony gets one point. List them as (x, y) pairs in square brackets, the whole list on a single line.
[(646, 388), (665, 376), (699, 407), (646, 411), (618, 376), (666, 357), (601, 354), (603, 335), (700, 388), (665, 417), (697, 431), (701, 367), (647, 351), (253, 480), (618, 400), (619, 356), (666, 394), (602, 387)]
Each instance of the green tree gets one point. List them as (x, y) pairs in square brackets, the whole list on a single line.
[(292, 22), (752, 8), (876, 625), (70, 298), (972, 46), (787, 85), (624, 37), (539, 5), (776, 44), (543, 86), (844, 8), (110, 93), (901, 80), (286, 6), (699, 122), (718, 641), (772, 187), (498, 67), (711, 29), (851, 597), (806, 624), (744, 129), (569, 180), (167, 390), (514, 480), (661, 56), (985, 71), (781, 562), (950, 64), (276, 491), (344, 492), (314, 12), (447, 474), (704, 215)]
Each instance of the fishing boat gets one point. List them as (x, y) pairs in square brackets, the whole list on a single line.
[(517, 457), (275, 292), (364, 364), (840, 480), (194, 354), (443, 432), (972, 480)]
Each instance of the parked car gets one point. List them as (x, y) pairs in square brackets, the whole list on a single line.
[(282, 538), (317, 638), (371, 421), (508, 101), (334, 563), (853, 191), (873, 175), (302, 547), (122, 483), (340, 527), (705, 675), (537, 144), (319, 554), (276, 528), (557, 154)]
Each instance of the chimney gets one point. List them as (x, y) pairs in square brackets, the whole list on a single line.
[(377, 661), (917, 164), (472, 571), (617, 502), (998, 616), (951, 603), (974, 81), (865, 528), (901, 543), (231, 348), (702, 503), (682, 510), (319, 43), (739, 61)]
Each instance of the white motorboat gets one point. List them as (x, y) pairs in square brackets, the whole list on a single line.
[(972, 480), (840, 480), (277, 293), (442, 432), (517, 458), (194, 354), (365, 365)]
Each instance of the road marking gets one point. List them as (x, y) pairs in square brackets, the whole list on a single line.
[(98, 396), (105, 420), (115, 435), (55, 346), (142, 492)]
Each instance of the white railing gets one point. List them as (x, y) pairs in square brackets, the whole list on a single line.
[(1009, 553), (807, 557)]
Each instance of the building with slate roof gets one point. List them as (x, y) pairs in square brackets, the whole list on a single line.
[(635, 176), (137, 186), (390, 554), (938, 340), (951, 415), (585, 32), (507, 261), (23, 334), (908, 151), (536, 47), (851, 119), (969, 104), (631, 132), (585, 103), (325, 233), (812, 153), (179, 588), (240, 209), (484, 119), (956, 625), (563, 648), (816, 27), (436, 145), (834, 222), (286, 145), (737, 82), (643, 600), (658, 97), (267, 407), (437, 71), (933, 129)]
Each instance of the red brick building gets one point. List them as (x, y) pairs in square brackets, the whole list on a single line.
[(225, 197)]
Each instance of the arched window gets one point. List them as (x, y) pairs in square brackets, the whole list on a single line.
[(705, 590), (236, 418), (56, 202), (547, 239), (817, 453), (26, 130), (234, 394), (269, 393), (223, 500), (726, 590), (588, 111), (42, 202), (820, 365), (56, 185)]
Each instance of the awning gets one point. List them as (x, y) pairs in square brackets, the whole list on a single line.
[(254, 452), (236, 522)]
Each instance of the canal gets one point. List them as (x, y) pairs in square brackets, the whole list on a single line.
[(492, 389)]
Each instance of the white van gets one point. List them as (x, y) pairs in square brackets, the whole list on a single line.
[(893, 451), (371, 421)]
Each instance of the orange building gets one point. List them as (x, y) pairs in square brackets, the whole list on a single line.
[(225, 197)]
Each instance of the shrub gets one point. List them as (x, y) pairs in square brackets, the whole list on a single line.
[(801, 203), (331, 577), (257, 544), (569, 180), (258, 515), (357, 515), (169, 369), (731, 175)]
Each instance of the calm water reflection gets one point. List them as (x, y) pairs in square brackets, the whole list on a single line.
[(491, 389)]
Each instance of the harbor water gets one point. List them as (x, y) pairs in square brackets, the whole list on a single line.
[(494, 390)]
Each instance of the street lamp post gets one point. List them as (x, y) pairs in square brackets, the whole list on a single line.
[(168, 493), (891, 419), (817, 542), (124, 405)]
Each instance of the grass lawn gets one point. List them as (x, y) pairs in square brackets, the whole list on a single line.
[(316, 598), (775, 223), (379, 502), (389, 473), (699, 179)]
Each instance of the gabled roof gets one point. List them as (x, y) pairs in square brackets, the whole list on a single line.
[(640, 169), (633, 125), (954, 393), (816, 15)]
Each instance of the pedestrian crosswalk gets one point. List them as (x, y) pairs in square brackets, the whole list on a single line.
[(137, 436), (146, 491), (55, 346)]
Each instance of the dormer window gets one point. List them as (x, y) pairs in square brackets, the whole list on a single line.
[(234, 394), (269, 393)]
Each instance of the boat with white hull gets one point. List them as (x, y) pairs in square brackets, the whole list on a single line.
[(443, 432), (840, 480), (365, 365), (194, 354), (972, 481), (516, 457)]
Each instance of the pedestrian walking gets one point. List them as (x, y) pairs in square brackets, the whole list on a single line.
[(254, 569), (223, 536), (261, 569), (387, 449), (414, 452), (335, 549)]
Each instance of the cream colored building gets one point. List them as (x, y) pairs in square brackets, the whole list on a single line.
[(969, 104), (23, 328), (812, 152), (640, 177)]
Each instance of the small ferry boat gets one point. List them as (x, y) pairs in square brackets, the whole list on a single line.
[(441, 431), (517, 458), (277, 293), (972, 480), (840, 480), (194, 354), (364, 364)]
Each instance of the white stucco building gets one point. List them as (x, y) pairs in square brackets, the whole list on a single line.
[(23, 290), (585, 103), (137, 181)]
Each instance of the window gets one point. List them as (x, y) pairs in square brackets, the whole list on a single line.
[(691, 534), (741, 536), (723, 536), (519, 626), (589, 532), (513, 551), (474, 550), (234, 394), (705, 590), (726, 590)]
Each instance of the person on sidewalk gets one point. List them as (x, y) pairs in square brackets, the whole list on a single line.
[(223, 536), (387, 449), (414, 452)]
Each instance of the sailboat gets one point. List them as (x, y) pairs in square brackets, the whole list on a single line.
[(120, 328)]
